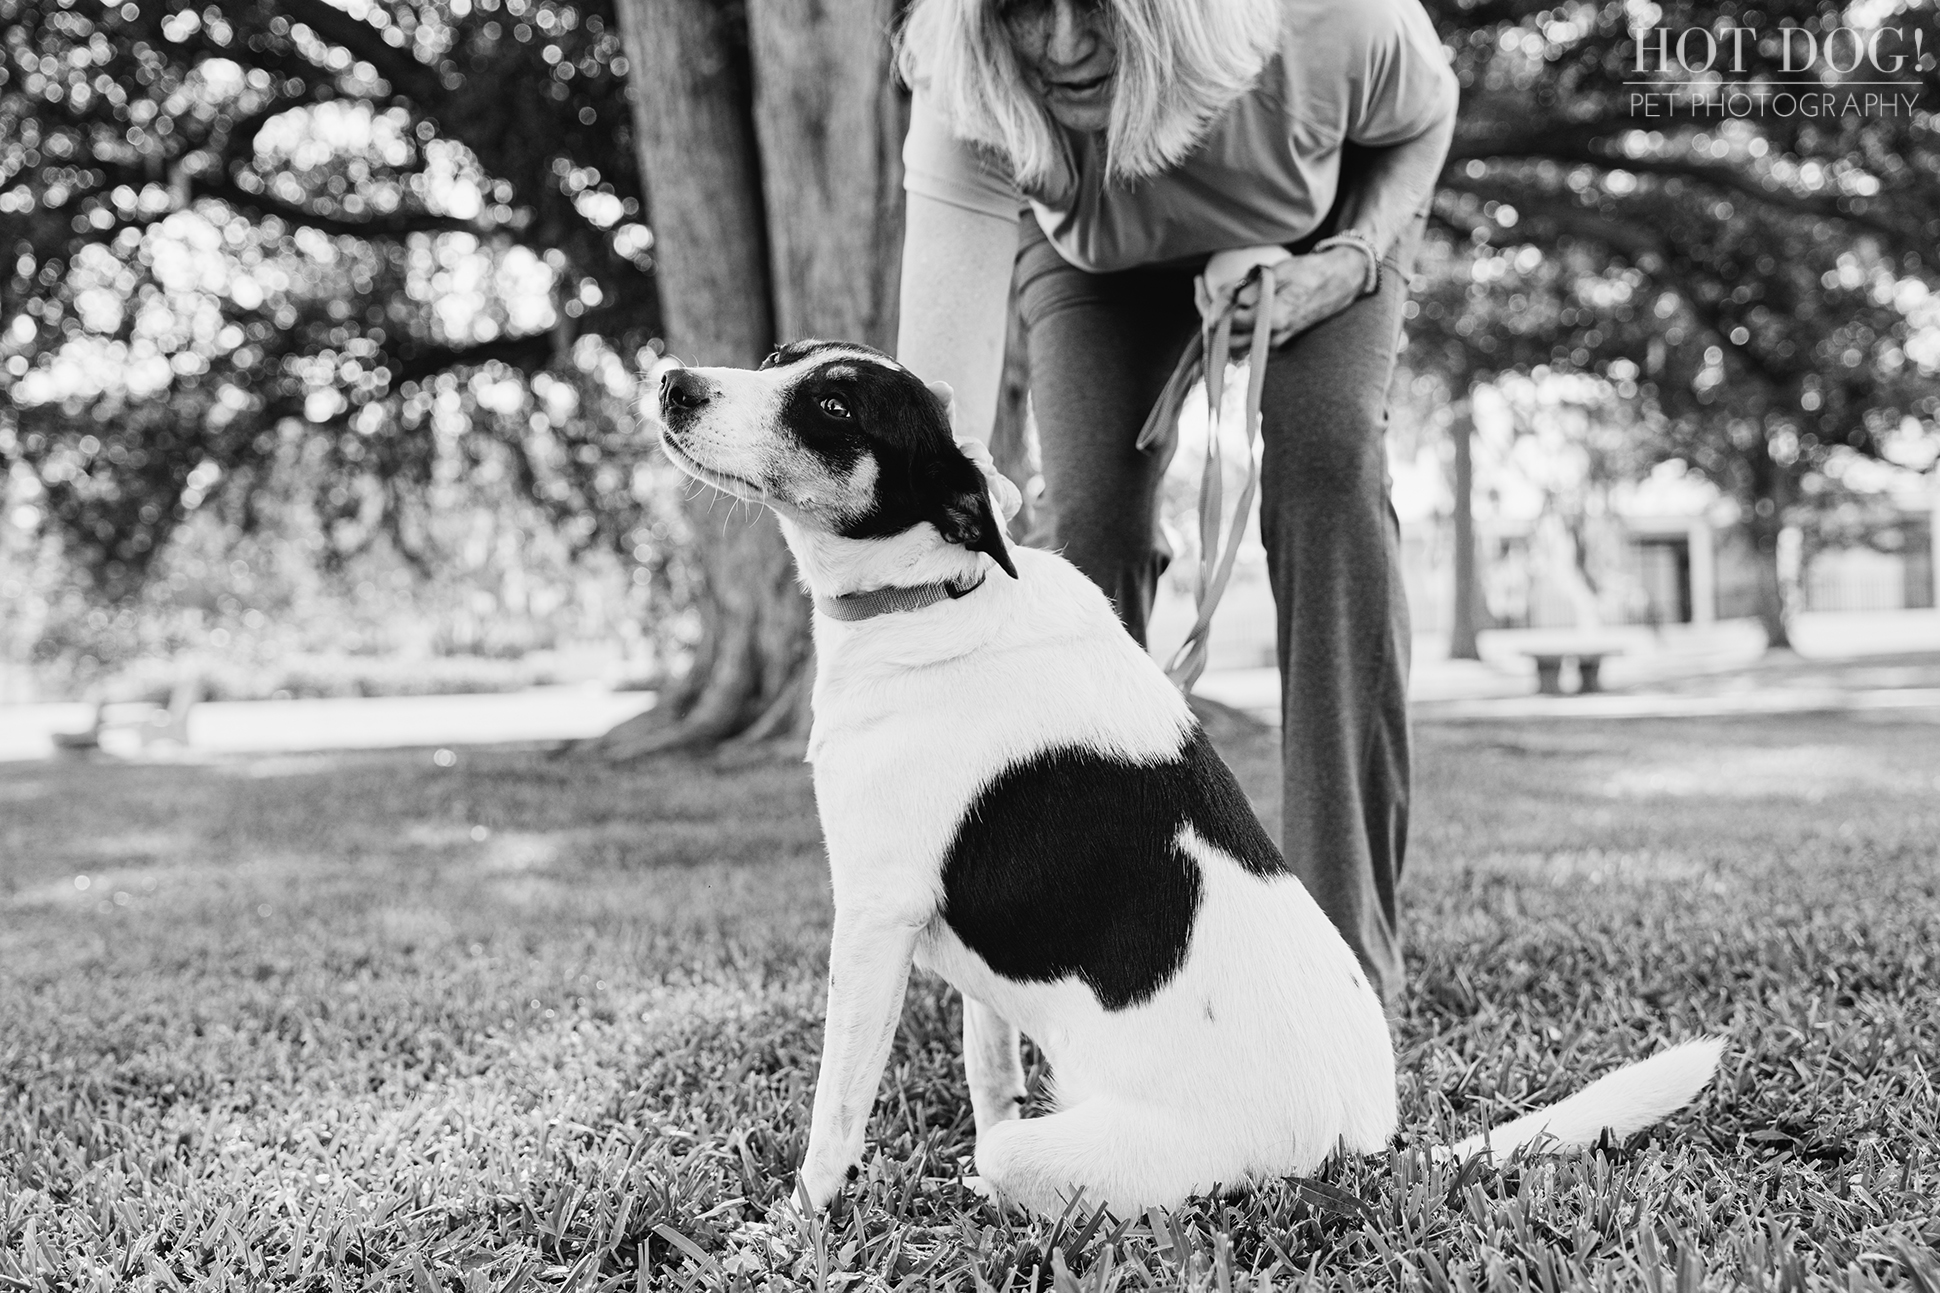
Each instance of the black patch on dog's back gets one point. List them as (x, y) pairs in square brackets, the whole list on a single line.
[(1066, 864)]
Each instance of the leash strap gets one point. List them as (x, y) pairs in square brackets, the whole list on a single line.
[(1161, 433)]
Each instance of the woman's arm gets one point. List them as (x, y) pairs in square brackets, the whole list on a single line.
[(1394, 188), (1397, 185), (955, 304)]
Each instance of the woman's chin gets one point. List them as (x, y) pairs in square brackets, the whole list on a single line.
[(1082, 116)]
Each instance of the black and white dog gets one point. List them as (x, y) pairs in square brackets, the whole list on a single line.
[(1016, 798)]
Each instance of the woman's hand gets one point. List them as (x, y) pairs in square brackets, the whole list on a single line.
[(1009, 498), (1306, 290)]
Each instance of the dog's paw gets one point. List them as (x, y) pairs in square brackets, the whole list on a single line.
[(817, 1186), (986, 1190)]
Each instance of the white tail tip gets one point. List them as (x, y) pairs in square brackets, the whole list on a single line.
[(1625, 1102)]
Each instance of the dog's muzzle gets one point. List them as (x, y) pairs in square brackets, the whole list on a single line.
[(683, 391)]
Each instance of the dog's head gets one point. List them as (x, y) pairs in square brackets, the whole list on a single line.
[(838, 438)]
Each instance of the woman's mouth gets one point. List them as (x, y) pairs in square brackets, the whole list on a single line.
[(1079, 88)]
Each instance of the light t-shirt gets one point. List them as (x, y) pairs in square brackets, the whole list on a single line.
[(1348, 71)]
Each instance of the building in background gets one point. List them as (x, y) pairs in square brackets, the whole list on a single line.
[(1664, 551)]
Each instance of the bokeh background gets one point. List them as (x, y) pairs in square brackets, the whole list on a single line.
[(409, 879), (321, 326)]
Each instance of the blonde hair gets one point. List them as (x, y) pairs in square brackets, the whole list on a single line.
[(1180, 64)]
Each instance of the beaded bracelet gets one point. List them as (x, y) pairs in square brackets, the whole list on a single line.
[(1365, 245)]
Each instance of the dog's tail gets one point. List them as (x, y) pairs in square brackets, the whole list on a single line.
[(1625, 1102)]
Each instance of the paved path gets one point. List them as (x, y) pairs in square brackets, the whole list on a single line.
[(1873, 663), (1847, 663), (1491, 695), (283, 726), (1673, 705)]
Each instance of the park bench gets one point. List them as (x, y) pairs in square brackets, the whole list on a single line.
[(158, 724), (170, 726), (1589, 667)]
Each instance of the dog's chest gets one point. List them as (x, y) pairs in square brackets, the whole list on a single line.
[(890, 800), (900, 754), (1058, 861)]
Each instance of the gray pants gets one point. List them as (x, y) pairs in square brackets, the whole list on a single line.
[(1101, 347)]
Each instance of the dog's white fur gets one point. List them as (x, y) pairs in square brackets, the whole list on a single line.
[(1217, 1079), (1261, 1056)]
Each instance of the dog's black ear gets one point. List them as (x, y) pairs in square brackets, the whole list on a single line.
[(966, 516)]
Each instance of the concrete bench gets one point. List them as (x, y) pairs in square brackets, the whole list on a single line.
[(170, 726), (1589, 668), (152, 725)]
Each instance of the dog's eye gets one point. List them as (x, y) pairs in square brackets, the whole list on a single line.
[(835, 408)]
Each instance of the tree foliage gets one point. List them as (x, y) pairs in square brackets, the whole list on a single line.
[(227, 218), (1764, 284), (227, 223)]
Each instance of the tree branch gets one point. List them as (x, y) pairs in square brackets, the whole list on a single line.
[(1513, 131), (1563, 148), (1455, 16), (392, 225), (407, 75), (1628, 237), (413, 362)]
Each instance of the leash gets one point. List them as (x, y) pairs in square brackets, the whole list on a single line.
[(1161, 430)]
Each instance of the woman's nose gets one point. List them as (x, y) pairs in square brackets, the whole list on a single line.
[(1070, 33)]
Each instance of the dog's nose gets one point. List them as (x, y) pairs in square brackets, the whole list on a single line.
[(681, 389)]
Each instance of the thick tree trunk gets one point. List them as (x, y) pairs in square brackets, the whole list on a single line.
[(774, 187), (1468, 594), (698, 158), (690, 84), (831, 126)]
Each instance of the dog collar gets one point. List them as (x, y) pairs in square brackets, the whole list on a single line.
[(885, 601)]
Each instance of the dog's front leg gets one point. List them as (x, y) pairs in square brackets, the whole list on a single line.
[(992, 1064), (868, 970)]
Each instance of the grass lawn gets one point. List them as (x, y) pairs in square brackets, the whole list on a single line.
[(368, 1022)]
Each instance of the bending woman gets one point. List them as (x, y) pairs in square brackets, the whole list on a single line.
[(1095, 153)]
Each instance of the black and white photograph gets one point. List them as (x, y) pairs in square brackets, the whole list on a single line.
[(971, 645)]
